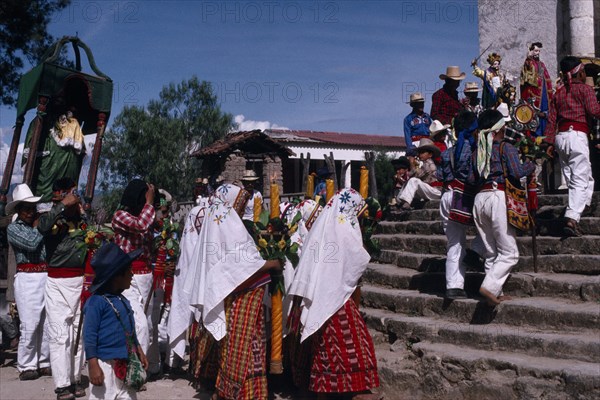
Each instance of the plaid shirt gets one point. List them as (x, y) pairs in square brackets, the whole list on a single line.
[(451, 168), (575, 105), (510, 158), (132, 232), (27, 243), (444, 106)]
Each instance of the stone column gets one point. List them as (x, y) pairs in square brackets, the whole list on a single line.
[(582, 27)]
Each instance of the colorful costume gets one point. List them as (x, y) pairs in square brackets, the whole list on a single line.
[(416, 127), (536, 84), (492, 78), (343, 355)]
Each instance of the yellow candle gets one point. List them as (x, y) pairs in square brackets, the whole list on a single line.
[(257, 208), (329, 188), (274, 200), (310, 186), (276, 366), (364, 182)]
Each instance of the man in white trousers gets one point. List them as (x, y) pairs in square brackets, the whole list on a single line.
[(424, 184)]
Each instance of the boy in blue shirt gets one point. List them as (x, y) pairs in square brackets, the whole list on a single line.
[(416, 124), (107, 323)]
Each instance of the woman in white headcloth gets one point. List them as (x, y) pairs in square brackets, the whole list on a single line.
[(227, 287), (331, 264)]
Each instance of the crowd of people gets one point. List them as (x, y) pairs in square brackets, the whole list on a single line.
[(157, 298), (468, 154), (133, 301)]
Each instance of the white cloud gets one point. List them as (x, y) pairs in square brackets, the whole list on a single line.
[(248, 125)]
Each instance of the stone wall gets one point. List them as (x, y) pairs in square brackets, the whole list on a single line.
[(235, 165)]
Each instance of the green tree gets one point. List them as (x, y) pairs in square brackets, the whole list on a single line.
[(155, 142), (23, 36), (384, 171)]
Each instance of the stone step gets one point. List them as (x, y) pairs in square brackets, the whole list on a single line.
[(589, 225), (586, 264), (582, 345), (539, 312), (519, 284), (446, 371), (544, 200), (436, 244)]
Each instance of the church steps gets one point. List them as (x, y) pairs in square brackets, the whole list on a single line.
[(436, 244), (586, 264), (519, 284), (582, 345), (541, 312), (445, 371), (589, 225), (544, 200)]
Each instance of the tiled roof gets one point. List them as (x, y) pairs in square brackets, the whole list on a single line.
[(349, 139), (240, 139)]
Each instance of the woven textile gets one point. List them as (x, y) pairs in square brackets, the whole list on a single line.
[(243, 362), (344, 354), (204, 356)]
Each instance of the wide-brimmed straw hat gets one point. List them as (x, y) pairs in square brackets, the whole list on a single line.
[(249, 175), (453, 72), (471, 87), (416, 97), (21, 194), (427, 145), (108, 261), (436, 128), (503, 108)]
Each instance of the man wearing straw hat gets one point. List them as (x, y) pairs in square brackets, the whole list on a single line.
[(33, 354), (471, 100), (424, 183), (444, 103), (249, 180), (416, 124)]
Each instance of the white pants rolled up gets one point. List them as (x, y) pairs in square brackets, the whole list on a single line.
[(416, 187), (113, 388)]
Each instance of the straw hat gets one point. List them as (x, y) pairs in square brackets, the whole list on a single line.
[(437, 128), (453, 72), (249, 175), (415, 97), (472, 87), (427, 145), (21, 193)]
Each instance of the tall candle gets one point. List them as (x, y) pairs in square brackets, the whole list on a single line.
[(310, 186), (329, 188), (274, 200), (364, 182), (257, 209)]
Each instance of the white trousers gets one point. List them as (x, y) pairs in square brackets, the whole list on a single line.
[(113, 388), (153, 312), (34, 351), (456, 234), (137, 294), (499, 238), (574, 156), (416, 187), (63, 311)]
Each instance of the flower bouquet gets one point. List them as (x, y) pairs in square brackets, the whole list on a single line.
[(532, 147)]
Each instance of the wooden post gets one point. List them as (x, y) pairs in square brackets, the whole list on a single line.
[(330, 161), (305, 169), (35, 140), (93, 171), (10, 163)]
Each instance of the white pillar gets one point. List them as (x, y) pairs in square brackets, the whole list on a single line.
[(348, 178), (582, 27)]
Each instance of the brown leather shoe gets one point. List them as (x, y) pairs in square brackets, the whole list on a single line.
[(571, 228)]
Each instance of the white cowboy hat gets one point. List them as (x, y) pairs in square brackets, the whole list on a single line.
[(472, 87), (168, 197), (21, 193), (416, 96), (437, 127), (249, 175), (503, 108), (453, 72), (427, 145)]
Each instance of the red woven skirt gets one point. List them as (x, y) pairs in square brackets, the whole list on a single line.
[(343, 354)]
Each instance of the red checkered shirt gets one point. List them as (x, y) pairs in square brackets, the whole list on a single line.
[(576, 105), (444, 107), (132, 232)]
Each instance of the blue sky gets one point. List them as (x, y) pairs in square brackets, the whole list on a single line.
[(346, 66)]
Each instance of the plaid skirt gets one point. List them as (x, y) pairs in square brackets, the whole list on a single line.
[(204, 357), (243, 355), (343, 354)]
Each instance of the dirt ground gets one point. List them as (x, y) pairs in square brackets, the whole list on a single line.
[(43, 388)]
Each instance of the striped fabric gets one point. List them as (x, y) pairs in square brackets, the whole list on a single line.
[(243, 362), (204, 357), (298, 354), (344, 354)]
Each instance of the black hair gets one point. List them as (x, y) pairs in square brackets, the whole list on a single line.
[(62, 184), (463, 120), (134, 196), (568, 63), (489, 118), (535, 44)]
